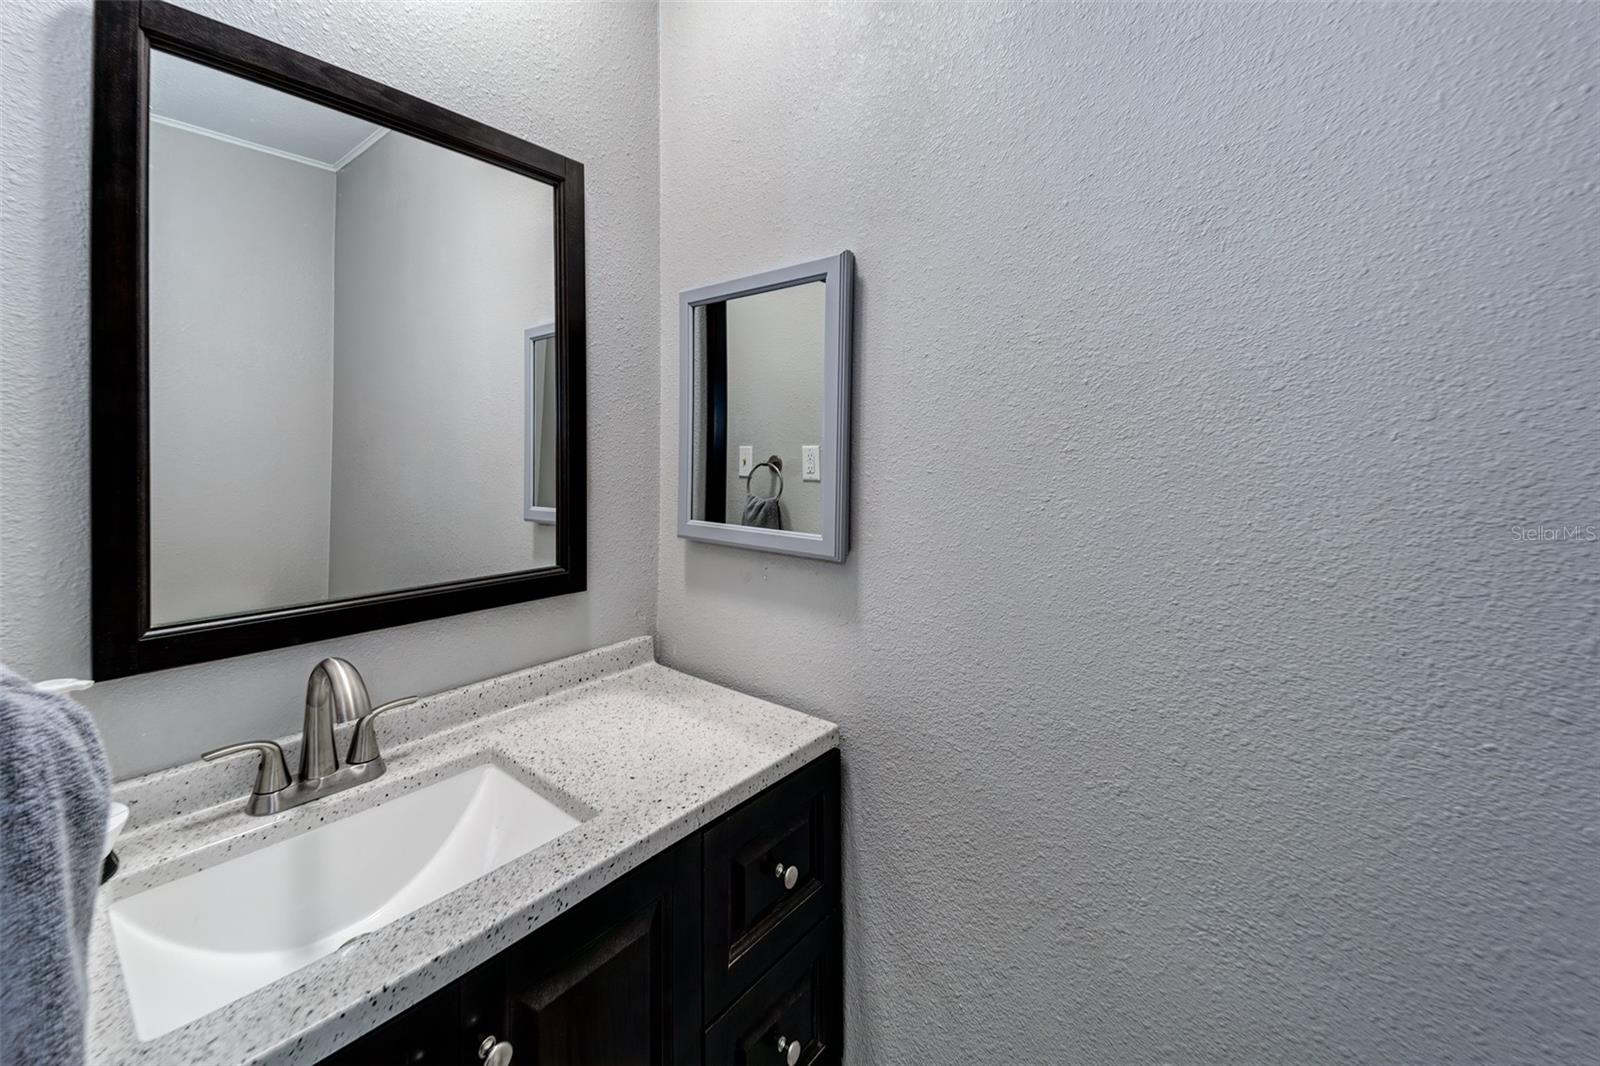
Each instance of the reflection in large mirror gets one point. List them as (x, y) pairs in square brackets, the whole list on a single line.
[(764, 410), (539, 477), (339, 320), (337, 339)]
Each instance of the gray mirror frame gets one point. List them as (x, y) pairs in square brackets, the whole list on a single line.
[(533, 405), (832, 543)]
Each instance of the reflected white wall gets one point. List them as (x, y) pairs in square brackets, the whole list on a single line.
[(443, 262), (775, 342), (241, 376)]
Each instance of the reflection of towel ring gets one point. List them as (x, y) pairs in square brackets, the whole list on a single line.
[(774, 464)]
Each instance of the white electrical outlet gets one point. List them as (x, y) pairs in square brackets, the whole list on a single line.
[(810, 462), (747, 459)]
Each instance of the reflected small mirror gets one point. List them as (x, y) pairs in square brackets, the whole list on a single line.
[(539, 477), (764, 410), (351, 355)]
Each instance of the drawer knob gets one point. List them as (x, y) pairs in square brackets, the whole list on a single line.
[(789, 875), (494, 1052), (789, 1049)]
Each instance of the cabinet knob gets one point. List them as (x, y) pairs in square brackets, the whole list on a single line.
[(789, 875), (494, 1052), (789, 1049)]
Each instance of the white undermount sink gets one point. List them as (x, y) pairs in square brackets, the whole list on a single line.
[(200, 942)]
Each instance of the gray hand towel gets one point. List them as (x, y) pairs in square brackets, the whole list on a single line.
[(55, 788), (762, 511)]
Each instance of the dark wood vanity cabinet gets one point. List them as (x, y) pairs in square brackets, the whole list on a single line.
[(771, 874), (615, 980), (726, 948)]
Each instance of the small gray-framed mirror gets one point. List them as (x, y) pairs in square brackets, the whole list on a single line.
[(764, 410), (539, 444)]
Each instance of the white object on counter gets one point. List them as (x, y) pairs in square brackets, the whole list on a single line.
[(63, 685), (116, 819)]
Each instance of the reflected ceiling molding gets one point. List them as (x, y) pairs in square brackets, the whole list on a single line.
[(227, 138), (373, 138), (240, 142)]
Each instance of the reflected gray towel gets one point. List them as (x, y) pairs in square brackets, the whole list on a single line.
[(55, 788), (762, 511)]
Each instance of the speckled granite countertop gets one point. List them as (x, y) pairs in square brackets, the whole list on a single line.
[(655, 753)]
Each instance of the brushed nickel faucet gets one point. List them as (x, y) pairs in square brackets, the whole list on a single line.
[(335, 694)]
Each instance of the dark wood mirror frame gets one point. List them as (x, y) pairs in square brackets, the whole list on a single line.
[(124, 640)]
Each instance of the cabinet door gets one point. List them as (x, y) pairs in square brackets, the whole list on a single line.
[(616, 981)]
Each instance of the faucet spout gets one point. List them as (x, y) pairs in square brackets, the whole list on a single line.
[(335, 694)]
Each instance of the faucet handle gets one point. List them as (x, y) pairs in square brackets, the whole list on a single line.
[(273, 773), (364, 742)]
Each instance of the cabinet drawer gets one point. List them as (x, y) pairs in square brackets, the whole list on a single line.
[(797, 1000), (771, 873)]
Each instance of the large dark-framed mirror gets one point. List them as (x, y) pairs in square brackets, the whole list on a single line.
[(311, 303)]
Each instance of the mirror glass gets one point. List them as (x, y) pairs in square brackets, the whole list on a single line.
[(352, 376), (758, 426)]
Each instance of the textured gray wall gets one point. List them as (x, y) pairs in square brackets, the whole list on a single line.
[(444, 261), (579, 79), (241, 376), (1200, 704)]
